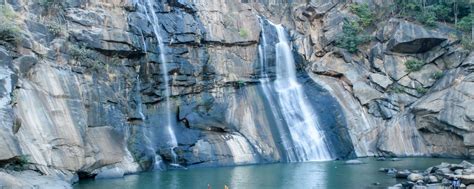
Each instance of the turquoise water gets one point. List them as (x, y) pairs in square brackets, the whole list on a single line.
[(310, 175)]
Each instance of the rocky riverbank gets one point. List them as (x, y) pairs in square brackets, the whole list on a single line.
[(439, 176)]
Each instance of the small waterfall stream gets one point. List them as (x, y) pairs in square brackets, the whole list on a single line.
[(153, 19), (304, 140), (139, 103)]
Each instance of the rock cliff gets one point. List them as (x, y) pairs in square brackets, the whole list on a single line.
[(82, 90)]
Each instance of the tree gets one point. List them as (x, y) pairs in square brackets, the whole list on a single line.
[(455, 11)]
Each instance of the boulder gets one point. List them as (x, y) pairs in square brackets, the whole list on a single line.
[(466, 164), (467, 179), (402, 174), (467, 171), (420, 183), (426, 75), (395, 66), (365, 93), (453, 58), (412, 38), (408, 184), (381, 80), (414, 177), (392, 171), (443, 171), (432, 179)]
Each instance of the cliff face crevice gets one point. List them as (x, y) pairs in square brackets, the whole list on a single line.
[(82, 87)]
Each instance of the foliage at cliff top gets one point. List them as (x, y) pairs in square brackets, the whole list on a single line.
[(9, 31), (429, 12)]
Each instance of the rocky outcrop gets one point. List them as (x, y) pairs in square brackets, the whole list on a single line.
[(439, 176), (447, 108), (406, 37), (31, 179), (411, 105), (85, 97)]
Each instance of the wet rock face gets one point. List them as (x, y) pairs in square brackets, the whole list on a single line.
[(87, 95)]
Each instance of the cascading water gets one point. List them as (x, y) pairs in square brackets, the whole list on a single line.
[(139, 103), (304, 140), (153, 19)]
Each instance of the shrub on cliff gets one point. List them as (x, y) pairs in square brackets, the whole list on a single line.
[(421, 90), (9, 31), (350, 39), (243, 33), (437, 75), (364, 13), (414, 65), (85, 57)]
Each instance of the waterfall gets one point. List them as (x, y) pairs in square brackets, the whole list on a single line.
[(302, 139), (139, 103), (153, 19)]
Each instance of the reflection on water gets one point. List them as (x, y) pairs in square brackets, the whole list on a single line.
[(311, 175)]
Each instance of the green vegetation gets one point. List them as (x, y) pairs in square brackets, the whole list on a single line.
[(53, 8), (55, 29), (240, 83), (427, 18), (457, 12), (85, 57), (429, 12), (19, 163), (421, 90), (467, 43), (351, 36), (465, 24), (115, 60), (243, 33), (49, 3), (437, 75), (23, 160), (414, 65), (364, 13), (397, 89), (79, 53), (9, 31)]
